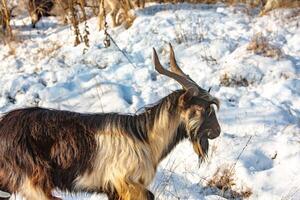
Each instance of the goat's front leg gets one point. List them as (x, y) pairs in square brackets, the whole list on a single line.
[(113, 15), (134, 191), (115, 7), (101, 16), (141, 3)]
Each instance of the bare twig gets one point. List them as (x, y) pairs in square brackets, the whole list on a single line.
[(237, 159)]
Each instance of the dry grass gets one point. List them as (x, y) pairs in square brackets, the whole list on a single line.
[(5, 14), (260, 45), (274, 4), (75, 11), (223, 180), (188, 34), (49, 51), (227, 81), (6, 33), (252, 3), (264, 5)]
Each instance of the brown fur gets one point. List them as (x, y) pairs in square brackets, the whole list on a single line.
[(114, 8), (41, 145), (42, 149)]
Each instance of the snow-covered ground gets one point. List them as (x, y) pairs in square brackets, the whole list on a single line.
[(260, 95)]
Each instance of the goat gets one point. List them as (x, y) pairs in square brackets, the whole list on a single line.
[(39, 8), (117, 154), (116, 9), (273, 4)]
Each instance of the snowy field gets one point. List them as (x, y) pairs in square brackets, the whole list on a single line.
[(259, 91)]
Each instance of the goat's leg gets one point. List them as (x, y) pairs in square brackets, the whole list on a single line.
[(134, 191), (115, 7), (101, 16), (33, 191), (142, 3), (113, 15)]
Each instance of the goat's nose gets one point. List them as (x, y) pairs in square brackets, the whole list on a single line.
[(212, 134)]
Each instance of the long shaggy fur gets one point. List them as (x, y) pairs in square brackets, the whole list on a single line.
[(43, 149)]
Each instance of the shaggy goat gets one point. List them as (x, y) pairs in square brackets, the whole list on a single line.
[(118, 154), (115, 7), (39, 8)]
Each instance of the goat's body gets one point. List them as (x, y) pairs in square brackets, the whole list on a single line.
[(115, 8), (42, 149), (41, 144)]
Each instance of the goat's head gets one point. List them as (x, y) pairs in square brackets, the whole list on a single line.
[(195, 105)]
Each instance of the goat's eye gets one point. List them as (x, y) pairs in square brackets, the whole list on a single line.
[(192, 113)]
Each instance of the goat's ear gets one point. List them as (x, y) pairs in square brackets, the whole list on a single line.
[(187, 96)]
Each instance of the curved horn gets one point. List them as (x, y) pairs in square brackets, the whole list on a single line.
[(173, 64), (175, 68), (185, 82)]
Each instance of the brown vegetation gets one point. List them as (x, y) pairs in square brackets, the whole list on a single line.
[(5, 14), (224, 181), (260, 45), (229, 81), (119, 10), (274, 4)]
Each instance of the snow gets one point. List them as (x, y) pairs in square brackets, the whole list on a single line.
[(209, 41)]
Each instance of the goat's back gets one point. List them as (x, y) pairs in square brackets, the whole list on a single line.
[(49, 147)]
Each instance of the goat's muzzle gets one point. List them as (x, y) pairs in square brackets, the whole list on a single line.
[(210, 127), (212, 133)]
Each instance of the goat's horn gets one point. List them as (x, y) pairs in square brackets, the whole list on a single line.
[(175, 68), (185, 82), (173, 64)]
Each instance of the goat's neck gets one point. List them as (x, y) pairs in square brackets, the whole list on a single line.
[(164, 136)]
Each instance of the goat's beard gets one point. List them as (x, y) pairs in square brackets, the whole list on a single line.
[(199, 140), (201, 145)]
